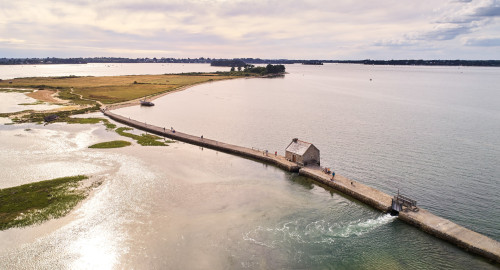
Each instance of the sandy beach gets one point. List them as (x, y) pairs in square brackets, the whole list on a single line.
[(46, 96)]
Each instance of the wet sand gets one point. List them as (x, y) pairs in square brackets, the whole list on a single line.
[(46, 96)]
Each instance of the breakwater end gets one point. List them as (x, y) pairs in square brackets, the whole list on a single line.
[(424, 220), (442, 228)]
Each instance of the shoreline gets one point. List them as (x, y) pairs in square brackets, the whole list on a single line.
[(107, 107)]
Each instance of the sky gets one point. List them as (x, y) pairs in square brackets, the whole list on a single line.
[(269, 29)]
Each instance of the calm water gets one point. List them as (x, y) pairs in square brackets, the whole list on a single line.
[(432, 132)]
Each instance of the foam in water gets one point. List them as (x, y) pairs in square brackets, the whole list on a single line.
[(316, 232), (358, 228)]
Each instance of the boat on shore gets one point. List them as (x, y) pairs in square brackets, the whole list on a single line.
[(147, 103)]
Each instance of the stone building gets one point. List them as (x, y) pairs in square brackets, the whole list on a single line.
[(303, 153)]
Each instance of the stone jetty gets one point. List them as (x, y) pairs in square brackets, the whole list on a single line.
[(276, 160), (422, 219), (426, 221)]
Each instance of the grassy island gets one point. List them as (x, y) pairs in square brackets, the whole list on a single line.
[(143, 139), (36, 202), (111, 144)]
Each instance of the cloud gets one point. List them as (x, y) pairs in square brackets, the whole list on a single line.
[(12, 41), (395, 43), (483, 42), (459, 19), (493, 11), (257, 28), (445, 32)]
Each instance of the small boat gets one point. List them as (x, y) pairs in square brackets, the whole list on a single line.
[(147, 103)]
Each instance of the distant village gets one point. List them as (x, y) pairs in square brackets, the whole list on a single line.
[(231, 62)]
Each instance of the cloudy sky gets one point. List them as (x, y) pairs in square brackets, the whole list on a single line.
[(308, 29)]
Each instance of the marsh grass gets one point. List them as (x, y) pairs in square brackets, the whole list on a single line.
[(111, 144), (109, 126), (31, 116), (38, 102), (143, 139), (7, 90), (37, 202), (89, 120)]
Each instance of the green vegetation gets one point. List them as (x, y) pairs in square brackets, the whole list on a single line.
[(38, 102), (40, 201), (6, 90), (109, 125), (111, 144), (143, 139), (89, 120), (251, 70), (38, 117), (269, 69)]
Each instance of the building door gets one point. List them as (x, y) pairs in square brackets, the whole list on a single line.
[(293, 158)]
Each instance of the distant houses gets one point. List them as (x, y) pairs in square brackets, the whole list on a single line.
[(303, 153)]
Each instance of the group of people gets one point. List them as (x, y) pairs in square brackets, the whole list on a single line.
[(328, 171), (164, 129), (265, 152)]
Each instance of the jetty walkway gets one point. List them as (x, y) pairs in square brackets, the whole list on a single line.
[(442, 228)]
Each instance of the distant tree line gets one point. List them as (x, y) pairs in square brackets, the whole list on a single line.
[(53, 60), (275, 69), (269, 69), (238, 63), (479, 63), (312, 62), (241, 62)]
